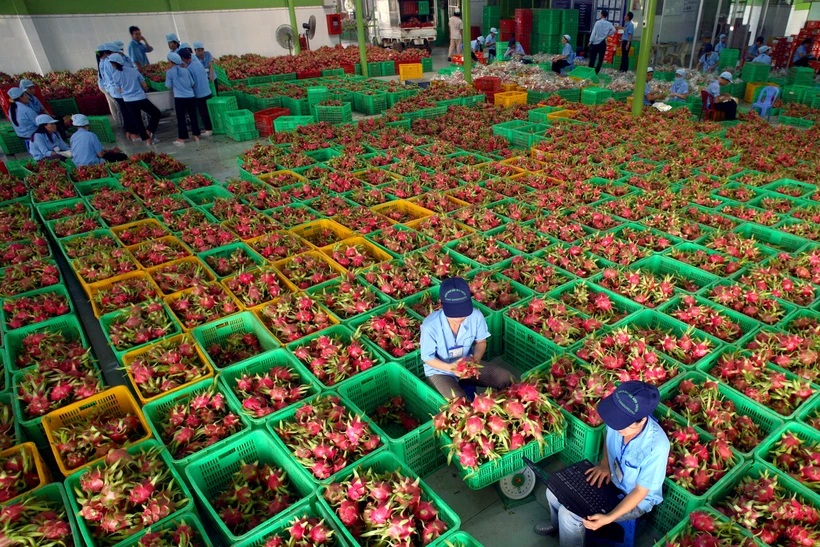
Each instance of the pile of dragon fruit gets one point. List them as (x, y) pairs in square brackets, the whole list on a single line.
[(678, 252)]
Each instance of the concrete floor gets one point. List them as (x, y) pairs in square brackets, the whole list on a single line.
[(482, 512)]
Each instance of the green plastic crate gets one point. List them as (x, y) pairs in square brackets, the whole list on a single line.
[(683, 526), (316, 95), (6, 398), (291, 123), (63, 107), (459, 539), (385, 462), (795, 122), (374, 70), (239, 121), (621, 304), (217, 107), (334, 114), (663, 265), (756, 72), (189, 519), (107, 319), (388, 68), (261, 364), (427, 64), (212, 473), (297, 107), (206, 195), (370, 103), (9, 141), (780, 241), (595, 95), (418, 449), (768, 421), (411, 361), (800, 76), (244, 135), (72, 484), (155, 410), (678, 502), (345, 334), (312, 509), (68, 325), (216, 332), (803, 432)]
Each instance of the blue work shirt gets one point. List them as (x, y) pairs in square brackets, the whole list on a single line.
[(202, 86), (709, 60), (641, 462), (129, 81), (720, 47), (490, 40), (26, 124), (600, 31), (437, 338), (41, 147), (762, 58), (34, 103), (179, 80), (206, 61), (518, 50), (646, 91), (679, 86), (84, 148), (107, 71), (629, 31), (752, 52), (570, 53), (800, 52), (714, 89), (128, 61), (137, 51)]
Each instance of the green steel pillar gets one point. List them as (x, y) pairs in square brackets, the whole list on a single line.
[(360, 34), (466, 39), (643, 57), (292, 10)]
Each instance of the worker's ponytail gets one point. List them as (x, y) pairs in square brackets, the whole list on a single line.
[(13, 112)]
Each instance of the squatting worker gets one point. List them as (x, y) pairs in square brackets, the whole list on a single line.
[(680, 88), (567, 57), (634, 460), (801, 54), (649, 96), (456, 34), (597, 40), (86, 148), (723, 101), (626, 41), (763, 55), (457, 331), (138, 47)]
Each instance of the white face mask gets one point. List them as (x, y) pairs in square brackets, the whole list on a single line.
[(678, 79)]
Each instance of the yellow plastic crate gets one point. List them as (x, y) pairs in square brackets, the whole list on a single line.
[(142, 274), (411, 71), (511, 98), (39, 465), (561, 114), (509, 86), (407, 207)]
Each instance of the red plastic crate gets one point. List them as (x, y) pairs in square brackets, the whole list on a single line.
[(491, 84), (308, 74), (813, 24), (93, 105), (264, 120), (349, 69), (409, 8), (506, 25), (505, 36), (475, 32)]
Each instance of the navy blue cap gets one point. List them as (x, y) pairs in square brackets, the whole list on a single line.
[(455, 297), (630, 402)]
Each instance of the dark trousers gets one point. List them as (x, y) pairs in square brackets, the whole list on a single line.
[(202, 107), (729, 108), (136, 108), (112, 157), (801, 62), (597, 52), (558, 65), (491, 376), (183, 107), (624, 56), (127, 117)]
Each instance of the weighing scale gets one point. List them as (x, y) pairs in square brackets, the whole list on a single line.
[(517, 489)]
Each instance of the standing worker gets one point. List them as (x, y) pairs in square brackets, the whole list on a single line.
[(121, 50), (626, 41), (448, 336), (754, 49), (597, 40), (46, 143), (763, 55), (131, 85), (202, 89), (206, 59), (86, 148), (567, 57), (490, 42), (173, 42), (456, 31), (137, 50), (680, 89), (709, 60), (34, 103), (23, 119), (721, 44), (635, 452), (801, 54), (115, 101), (723, 101), (180, 82)]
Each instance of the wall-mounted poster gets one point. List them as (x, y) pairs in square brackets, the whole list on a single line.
[(586, 14)]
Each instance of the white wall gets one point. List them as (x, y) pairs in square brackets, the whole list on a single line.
[(69, 40)]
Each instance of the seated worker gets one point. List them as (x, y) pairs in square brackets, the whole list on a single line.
[(723, 101), (46, 143), (649, 96), (567, 57), (679, 89), (514, 48), (763, 56), (448, 336), (801, 54), (754, 49), (635, 453), (86, 148)]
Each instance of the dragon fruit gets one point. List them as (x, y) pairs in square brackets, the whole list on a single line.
[(35, 519)]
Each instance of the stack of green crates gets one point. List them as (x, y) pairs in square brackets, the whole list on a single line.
[(794, 93), (316, 95), (633, 61), (424, 8), (756, 72), (812, 97), (101, 126), (799, 75), (217, 106), (9, 141), (491, 17), (240, 125), (569, 23), (728, 58), (595, 95), (333, 114)]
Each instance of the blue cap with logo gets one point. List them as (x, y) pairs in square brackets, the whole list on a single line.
[(630, 402), (455, 297)]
